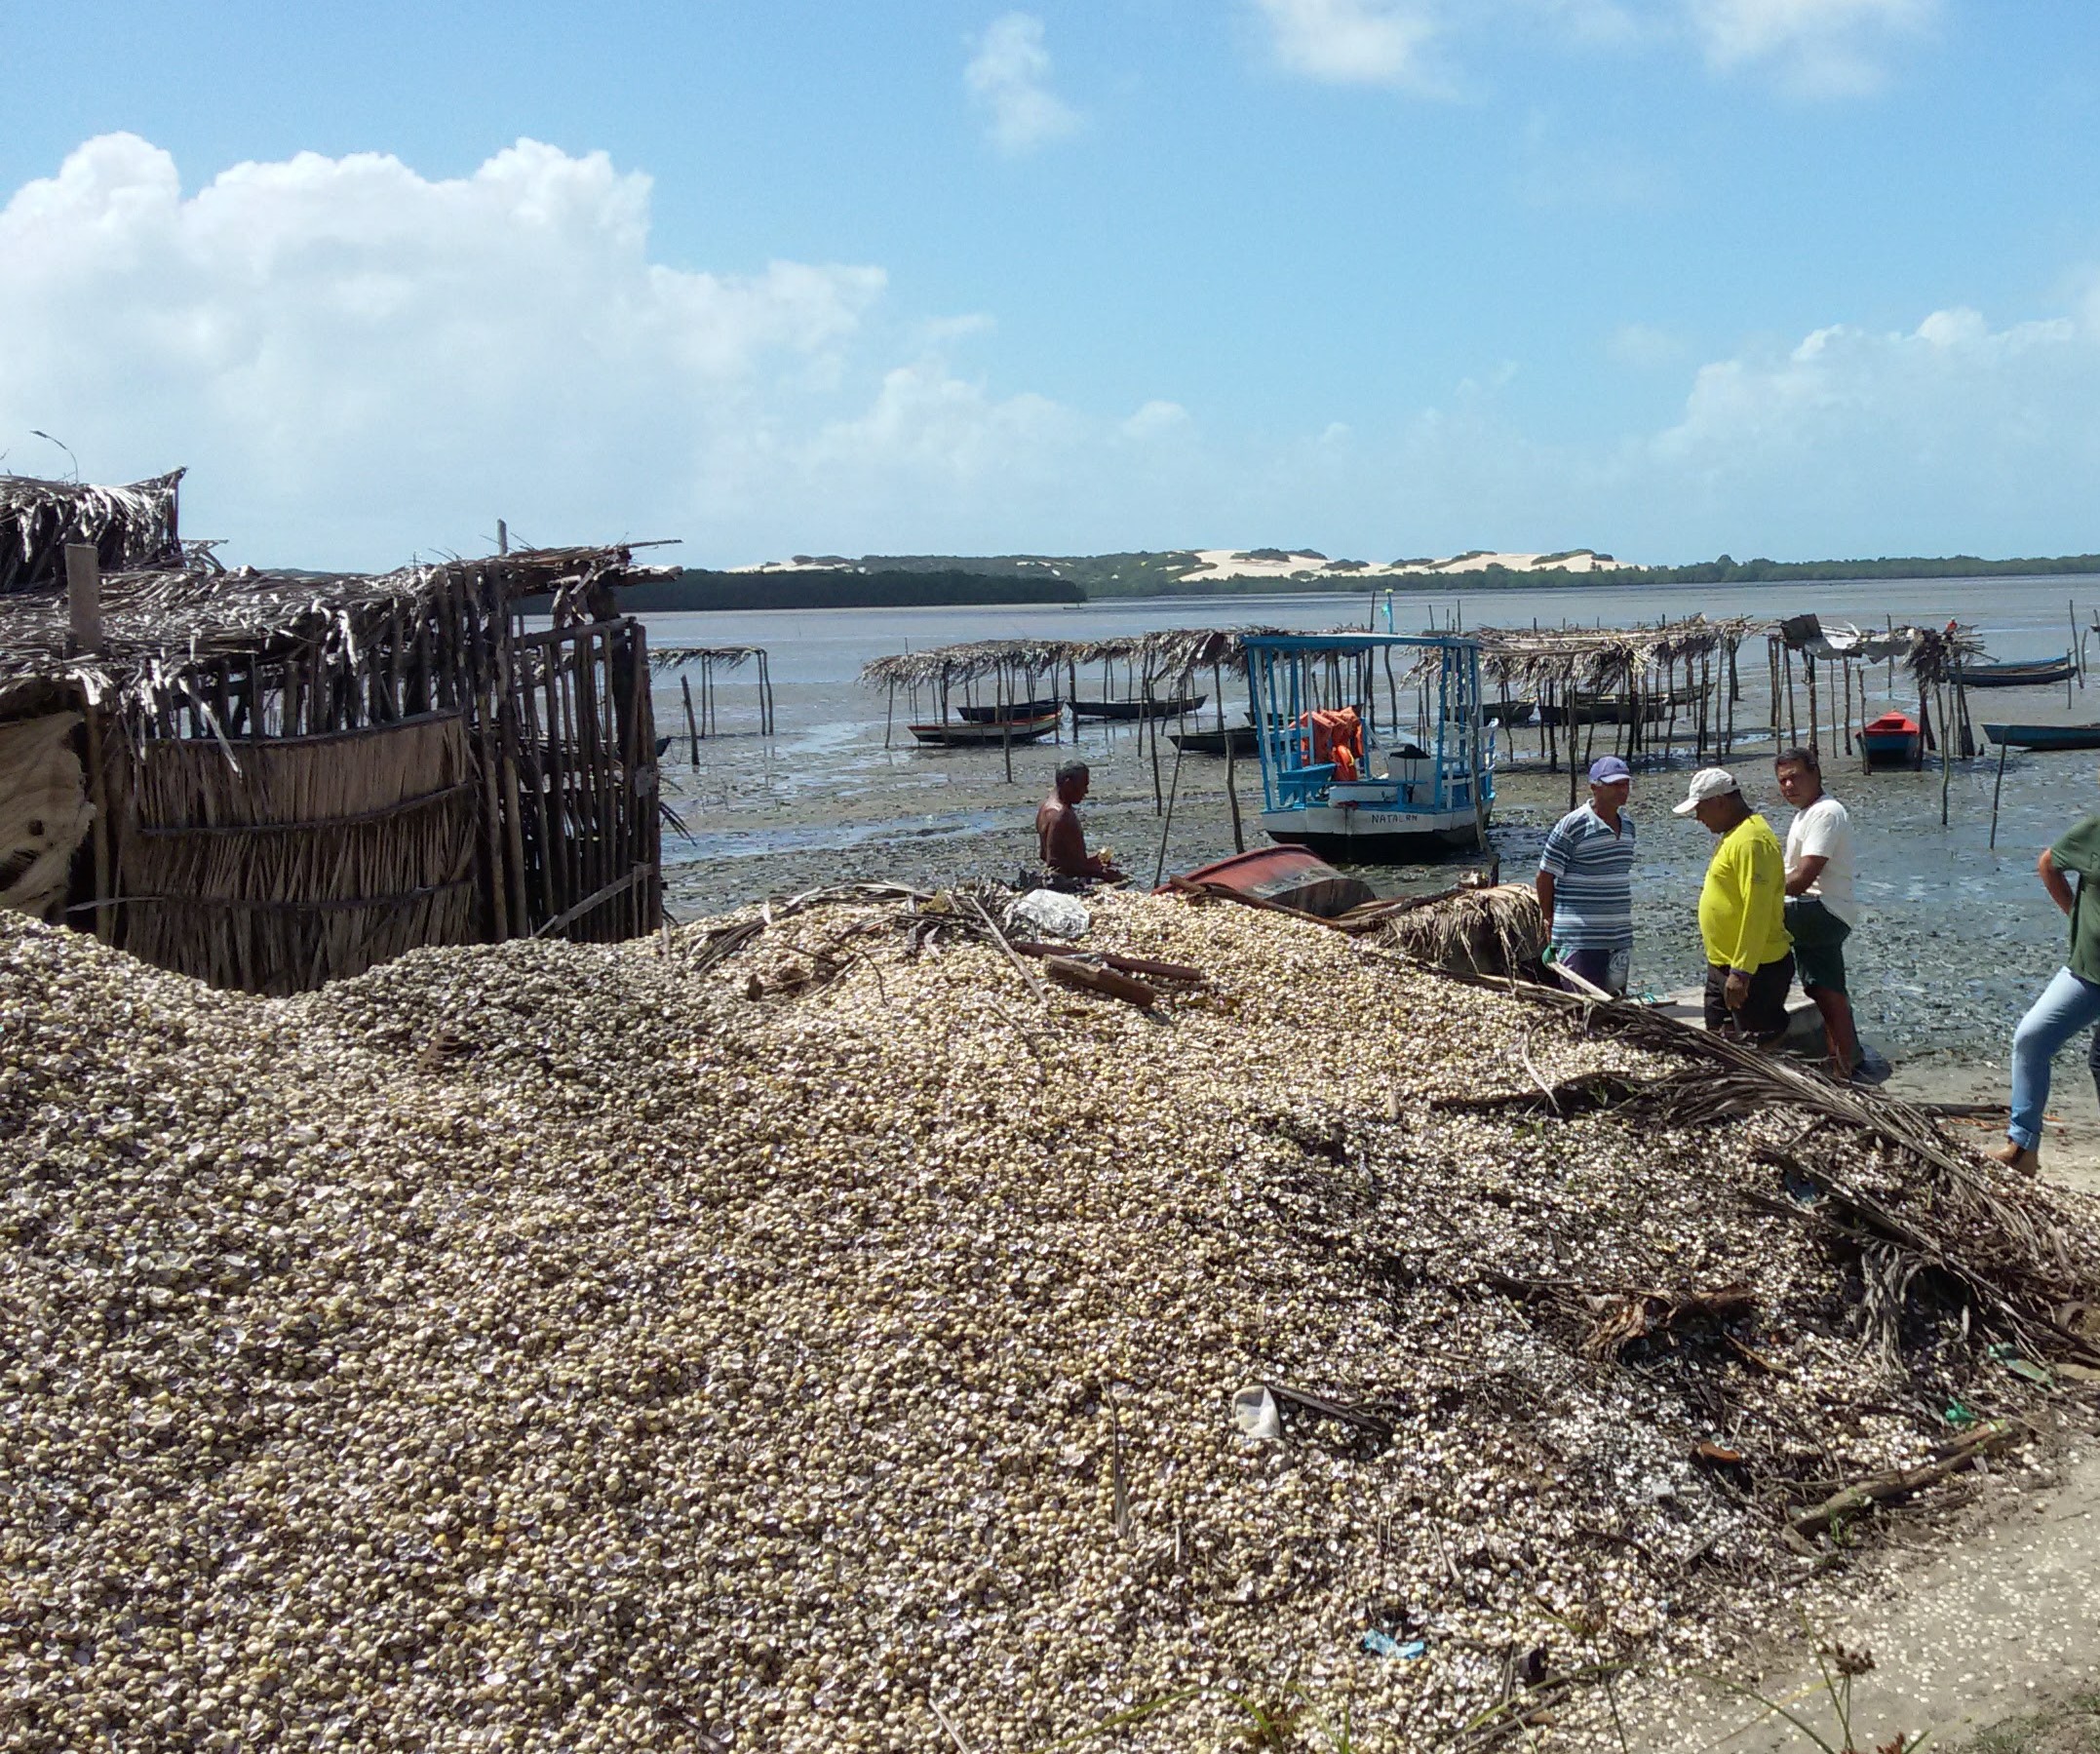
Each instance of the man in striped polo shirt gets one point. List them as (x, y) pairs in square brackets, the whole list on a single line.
[(1586, 881)]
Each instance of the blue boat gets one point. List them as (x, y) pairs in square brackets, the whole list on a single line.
[(1324, 786), (2019, 672), (2044, 736)]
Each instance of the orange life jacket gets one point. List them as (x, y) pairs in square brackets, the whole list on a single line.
[(1337, 736)]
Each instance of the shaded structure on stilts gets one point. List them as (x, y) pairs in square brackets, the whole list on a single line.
[(271, 779), (703, 721)]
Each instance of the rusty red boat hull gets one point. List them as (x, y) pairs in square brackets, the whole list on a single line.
[(1290, 876)]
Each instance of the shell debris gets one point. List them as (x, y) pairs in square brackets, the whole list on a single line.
[(799, 1331)]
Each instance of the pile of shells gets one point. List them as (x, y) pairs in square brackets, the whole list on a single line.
[(814, 1331)]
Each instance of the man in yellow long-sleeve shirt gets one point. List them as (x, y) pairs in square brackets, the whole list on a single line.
[(1742, 912)]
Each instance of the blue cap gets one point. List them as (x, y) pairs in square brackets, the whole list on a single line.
[(1607, 768)]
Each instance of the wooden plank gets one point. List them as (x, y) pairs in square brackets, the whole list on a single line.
[(576, 784), (548, 878), (1101, 980), (649, 843), (507, 774), (554, 765), (491, 800), (84, 596), (98, 797), (597, 872), (642, 874)]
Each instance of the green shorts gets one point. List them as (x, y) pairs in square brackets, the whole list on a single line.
[(1819, 937)]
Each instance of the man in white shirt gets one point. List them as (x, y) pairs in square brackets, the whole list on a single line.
[(1820, 909)]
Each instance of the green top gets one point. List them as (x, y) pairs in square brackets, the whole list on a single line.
[(1742, 904), (2078, 851)]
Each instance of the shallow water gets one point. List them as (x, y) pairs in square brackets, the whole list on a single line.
[(1956, 937)]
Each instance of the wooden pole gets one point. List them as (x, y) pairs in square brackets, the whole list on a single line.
[(1152, 724), (1004, 698), (1736, 689), (98, 797), (84, 596), (1946, 754), (512, 798), (1167, 826), (1568, 712), (1996, 787), (2077, 646), (692, 724)]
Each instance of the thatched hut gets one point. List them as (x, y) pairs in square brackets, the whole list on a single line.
[(272, 779)]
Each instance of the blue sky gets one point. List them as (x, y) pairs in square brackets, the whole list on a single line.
[(1801, 278)]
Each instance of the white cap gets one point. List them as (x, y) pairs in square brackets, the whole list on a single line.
[(1708, 782)]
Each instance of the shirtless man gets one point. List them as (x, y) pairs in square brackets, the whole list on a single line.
[(1059, 838)]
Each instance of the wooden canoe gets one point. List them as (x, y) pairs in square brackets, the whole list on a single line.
[(1165, 707), (2044, 736), (985, 733), (2033, 673), (1243, 740)]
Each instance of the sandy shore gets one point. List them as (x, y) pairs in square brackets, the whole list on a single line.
[(2071, 1152), (1974, 1615)]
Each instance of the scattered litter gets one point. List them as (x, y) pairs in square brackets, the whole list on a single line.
[(2008, 1355), (1384, 1644), (1255, 1408), (1051, 914)]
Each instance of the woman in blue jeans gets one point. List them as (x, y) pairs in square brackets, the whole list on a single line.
[(2069, 1002)]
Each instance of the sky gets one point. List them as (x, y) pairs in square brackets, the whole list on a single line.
[(1802, 279)]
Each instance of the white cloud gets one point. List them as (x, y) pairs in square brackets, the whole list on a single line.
[(358, 360), (1556, 168), (1356, 42), (1822, 48), (1008, 78), (1817, 48), (1644, 346), (1952, 436), (1155, 419)]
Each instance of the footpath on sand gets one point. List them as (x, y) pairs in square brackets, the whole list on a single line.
[(2001, 1622)]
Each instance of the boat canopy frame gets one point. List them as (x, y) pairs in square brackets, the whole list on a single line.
[(1282, 691)]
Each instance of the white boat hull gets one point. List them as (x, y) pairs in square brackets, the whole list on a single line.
[(1361, 832)]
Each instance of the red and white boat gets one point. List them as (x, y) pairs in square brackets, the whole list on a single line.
[(1289, 876)]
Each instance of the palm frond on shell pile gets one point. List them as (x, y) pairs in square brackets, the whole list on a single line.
[(1957, 1220), (1493, 930)]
